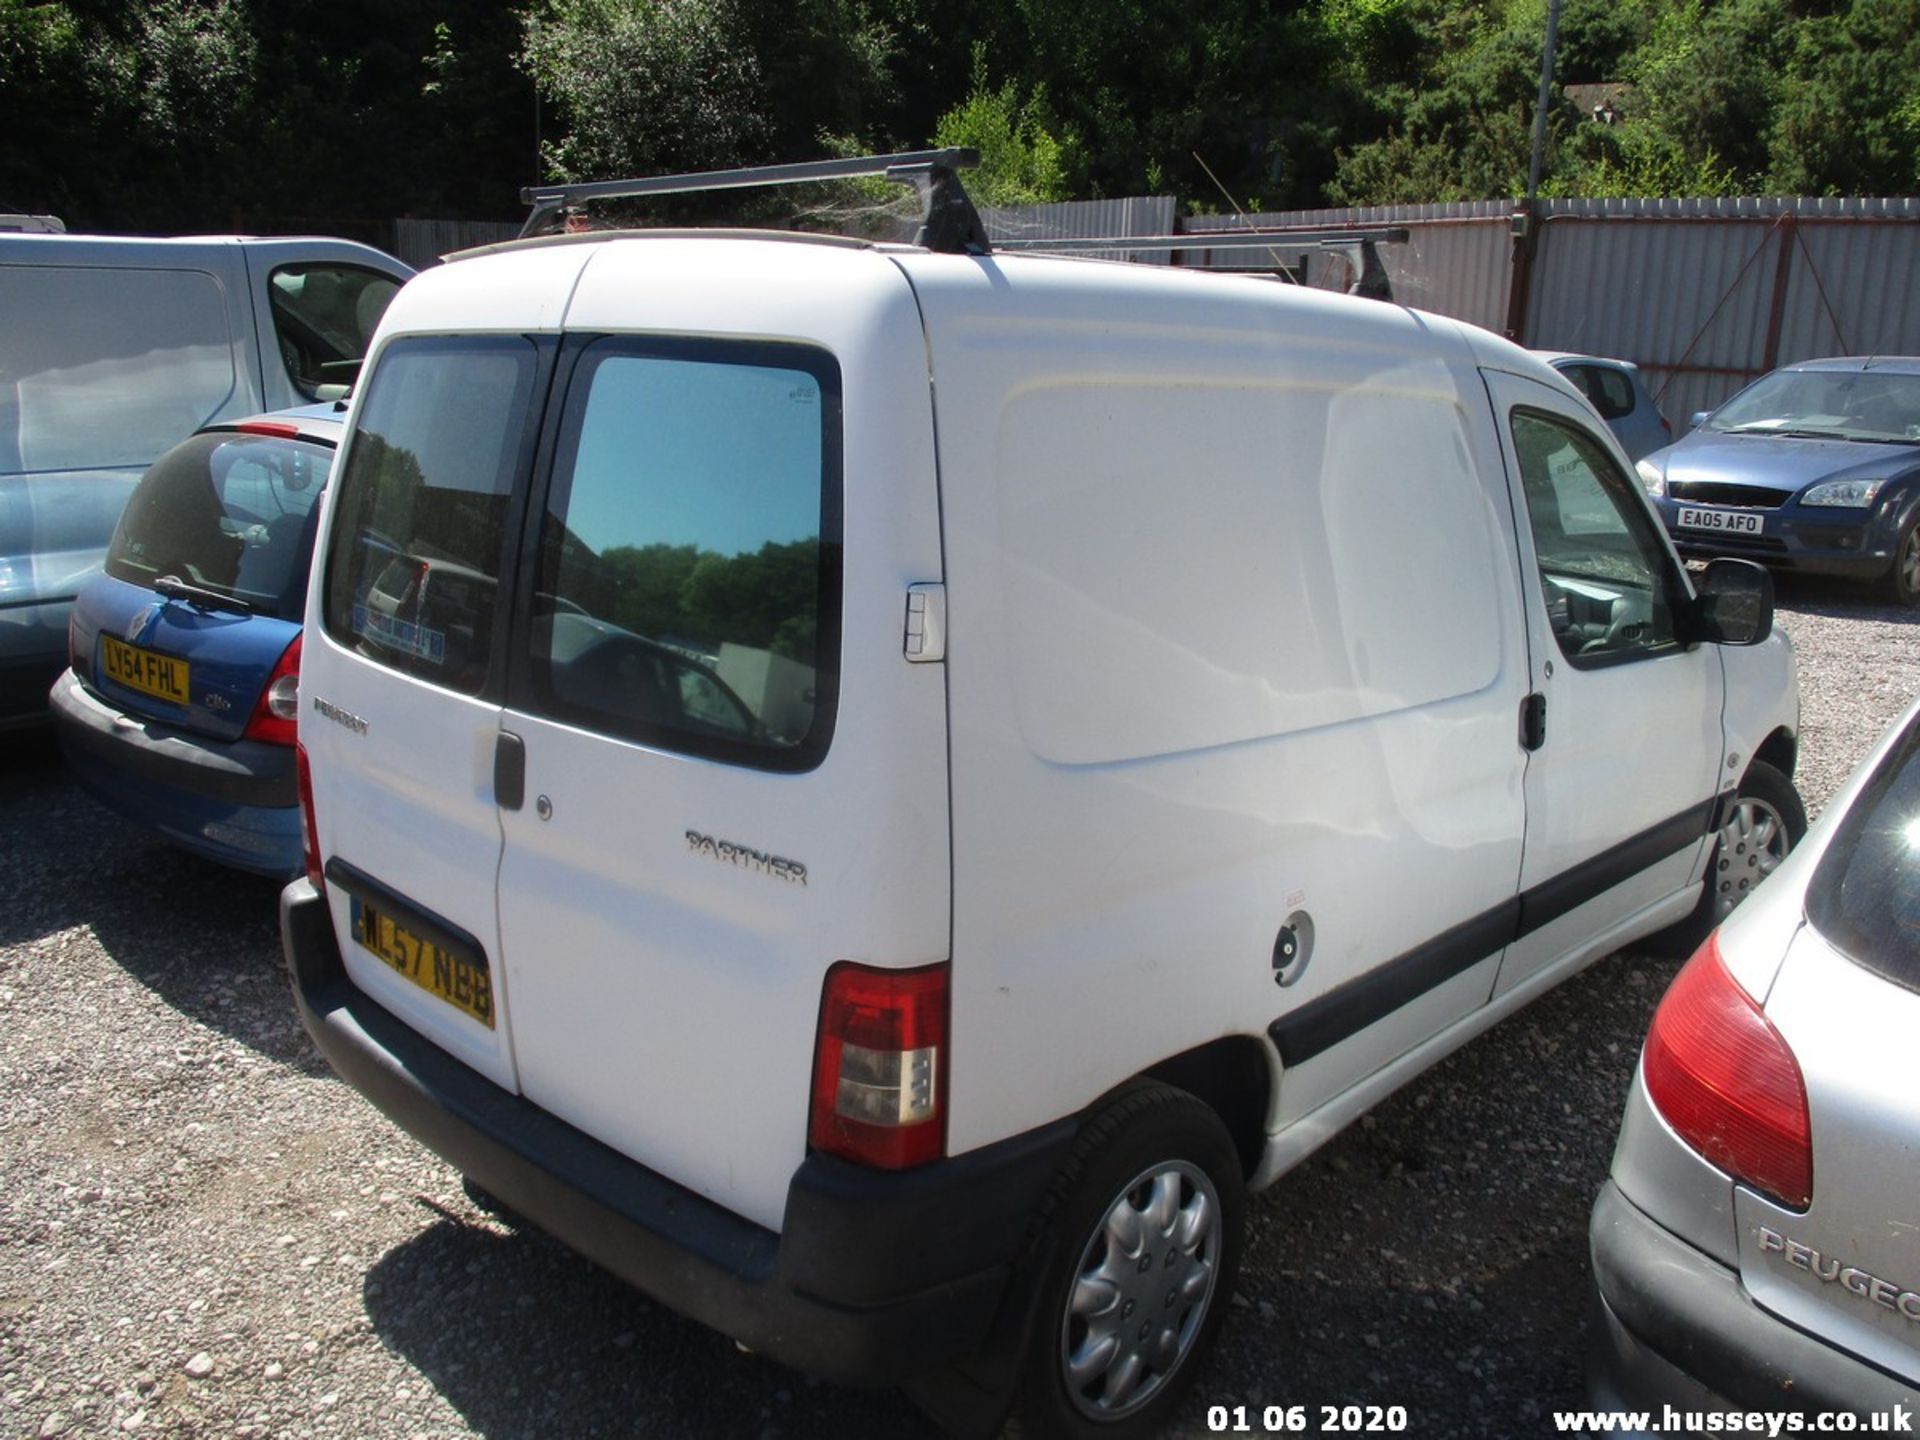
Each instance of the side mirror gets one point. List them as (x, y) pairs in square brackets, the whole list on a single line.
[(1734, 605), (1697, 419)]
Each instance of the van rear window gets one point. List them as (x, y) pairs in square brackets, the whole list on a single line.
[(229, 513), (414, 549), (689, 585)]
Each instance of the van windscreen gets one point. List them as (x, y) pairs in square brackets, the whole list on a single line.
[(229, 513), (414, 549), (689, 586)]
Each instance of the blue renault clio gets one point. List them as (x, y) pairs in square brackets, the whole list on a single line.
[(178, 709)]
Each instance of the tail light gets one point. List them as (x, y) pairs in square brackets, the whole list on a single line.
[(273, 718), (1727, 1083), (309, 827), (879, 1066)]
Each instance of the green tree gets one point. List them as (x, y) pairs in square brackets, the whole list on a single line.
[(645, 86), (1021, 162)]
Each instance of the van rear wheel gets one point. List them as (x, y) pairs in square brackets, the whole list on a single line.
[(1144, 1232)]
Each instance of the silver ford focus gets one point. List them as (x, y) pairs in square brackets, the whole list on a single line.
[(1757, 1246)]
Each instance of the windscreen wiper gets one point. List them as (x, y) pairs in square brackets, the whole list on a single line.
[(174, 588), (1787, 432)]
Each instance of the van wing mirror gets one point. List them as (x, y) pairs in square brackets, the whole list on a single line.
[(1697, 419), (1733, 604)]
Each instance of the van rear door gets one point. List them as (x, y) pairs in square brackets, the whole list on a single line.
[(401, 694), (733, 775)]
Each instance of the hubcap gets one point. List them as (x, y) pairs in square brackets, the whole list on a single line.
[(1751, 846), (1141, 1290), (1909, 563)]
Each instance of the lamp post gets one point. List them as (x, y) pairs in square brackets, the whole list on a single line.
[(1524, 236), (1540, 105)]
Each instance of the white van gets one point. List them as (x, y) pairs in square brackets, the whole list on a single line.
[(930, 774), (115, 348)]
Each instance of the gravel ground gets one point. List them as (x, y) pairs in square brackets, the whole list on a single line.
[(201, 1233)]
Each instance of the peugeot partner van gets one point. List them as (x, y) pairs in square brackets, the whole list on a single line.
[(115, 348), (879, 790)]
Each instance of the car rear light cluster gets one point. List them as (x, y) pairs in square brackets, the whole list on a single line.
[(879, 1070), (1727, 1082), (273, 718), (310, 828)]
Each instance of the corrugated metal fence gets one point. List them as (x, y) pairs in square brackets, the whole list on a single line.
[(1706, 294), (1703, 295)]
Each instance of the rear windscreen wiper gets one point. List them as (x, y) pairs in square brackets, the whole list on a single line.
[(174, 588)]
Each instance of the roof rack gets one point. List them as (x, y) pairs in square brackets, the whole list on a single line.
[(1218, 240), (1371, 280), (950, 223)]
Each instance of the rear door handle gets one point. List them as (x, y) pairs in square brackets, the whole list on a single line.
[(509, 771), (1533, 721)]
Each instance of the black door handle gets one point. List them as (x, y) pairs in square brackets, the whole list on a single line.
[(509, 771), (1533, 721)]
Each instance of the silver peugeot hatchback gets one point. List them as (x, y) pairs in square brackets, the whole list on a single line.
[(1757, 1246)]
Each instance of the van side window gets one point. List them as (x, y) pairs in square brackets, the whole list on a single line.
[(413, 559), (323, 317), (689, 584), (1606, 577), (109, 366)]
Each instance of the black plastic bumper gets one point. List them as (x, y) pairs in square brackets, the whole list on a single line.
[(239, 772), (875, 1278), (1842, 544), (1672, 1326)]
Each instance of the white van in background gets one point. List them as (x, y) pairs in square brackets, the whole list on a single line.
[(943, 770), (115, 348)]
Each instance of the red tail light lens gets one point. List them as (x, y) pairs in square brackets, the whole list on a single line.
[(879, 1067), (1727, 1083), (311, 828), (273, 718)]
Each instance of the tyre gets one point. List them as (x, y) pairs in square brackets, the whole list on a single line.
[(1142, 1241), (1902, 583), (1766, 822)]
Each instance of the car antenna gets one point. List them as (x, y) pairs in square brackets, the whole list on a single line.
[(950, 224)]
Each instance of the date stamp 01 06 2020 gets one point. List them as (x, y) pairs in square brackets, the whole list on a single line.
[(1307, 1419)]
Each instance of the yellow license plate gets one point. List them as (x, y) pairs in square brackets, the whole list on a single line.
[(148, 671), (465, 987)]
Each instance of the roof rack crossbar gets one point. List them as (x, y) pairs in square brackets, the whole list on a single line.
[(946, 218), (1218, 240)]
